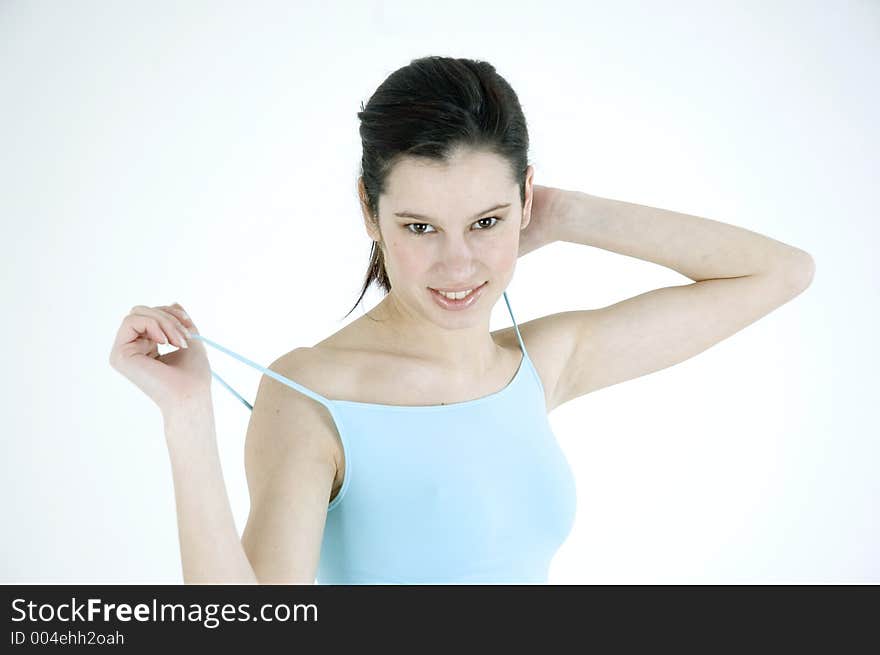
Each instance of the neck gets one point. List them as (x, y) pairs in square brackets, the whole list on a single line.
[(469, 348)]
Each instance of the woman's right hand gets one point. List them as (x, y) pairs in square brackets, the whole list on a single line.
[(170, 380)]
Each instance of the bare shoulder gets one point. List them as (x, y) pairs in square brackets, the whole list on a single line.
[(303, 418), (577, 352), (291, 475), (547, 354)]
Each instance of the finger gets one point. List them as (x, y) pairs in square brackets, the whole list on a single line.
[(186, 324), (141, 346), (193, 337), (168, 324), (177, 305), (171, 325), (177, 316), (139, 326), (183, 317), (146, 346)]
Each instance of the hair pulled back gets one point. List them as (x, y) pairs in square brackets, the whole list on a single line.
[(429, 109)]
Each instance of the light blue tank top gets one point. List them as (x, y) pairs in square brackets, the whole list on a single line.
[(477, 491)]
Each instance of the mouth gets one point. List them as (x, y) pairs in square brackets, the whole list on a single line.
[(458, 299)]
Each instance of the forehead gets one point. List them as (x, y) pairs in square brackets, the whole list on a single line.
[(468, 179)]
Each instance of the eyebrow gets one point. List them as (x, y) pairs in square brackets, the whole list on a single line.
[(428, 218)]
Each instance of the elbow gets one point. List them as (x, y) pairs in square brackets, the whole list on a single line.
[(803, 270), (796, 270)]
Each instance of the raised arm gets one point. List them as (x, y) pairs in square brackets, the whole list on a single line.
[(291, 465), (210, 549)]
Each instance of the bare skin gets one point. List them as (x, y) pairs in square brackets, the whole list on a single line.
[(362, 363), (408, 350), (415, 355), (419, 353)]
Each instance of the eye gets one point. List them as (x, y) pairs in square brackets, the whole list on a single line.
[(417, 233), (490, 218), (425, 225)]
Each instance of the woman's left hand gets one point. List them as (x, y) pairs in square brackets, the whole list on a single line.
[(547, 204)]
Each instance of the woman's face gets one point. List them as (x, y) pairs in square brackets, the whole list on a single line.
[(452, 226)]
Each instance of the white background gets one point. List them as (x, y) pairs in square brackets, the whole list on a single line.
[(207, 153)]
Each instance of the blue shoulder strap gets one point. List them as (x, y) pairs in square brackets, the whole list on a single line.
[(290, 383), (515, 326), (296, 385)]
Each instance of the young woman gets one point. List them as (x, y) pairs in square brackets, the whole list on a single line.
[(413, 445)]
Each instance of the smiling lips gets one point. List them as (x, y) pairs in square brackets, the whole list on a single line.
[(460, 299), (458, 293), (459, 288)]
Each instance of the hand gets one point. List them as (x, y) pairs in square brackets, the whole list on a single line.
[(170, 380), (547, 204)]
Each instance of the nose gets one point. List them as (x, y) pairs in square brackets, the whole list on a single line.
[(456, 251), (457, 258)]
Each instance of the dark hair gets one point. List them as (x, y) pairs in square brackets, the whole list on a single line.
[(429, 109)]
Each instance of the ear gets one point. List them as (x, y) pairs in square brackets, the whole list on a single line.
[(370, 223), (527, 205)]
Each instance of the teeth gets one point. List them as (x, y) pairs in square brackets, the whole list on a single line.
[(458, 295)]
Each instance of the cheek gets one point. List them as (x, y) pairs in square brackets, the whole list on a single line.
[(405, 258), (504, 257), (408, 260), (506, 260)]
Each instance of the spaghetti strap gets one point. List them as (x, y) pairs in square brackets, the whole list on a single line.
[(303, 389), (290, 383), (515, 326)]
